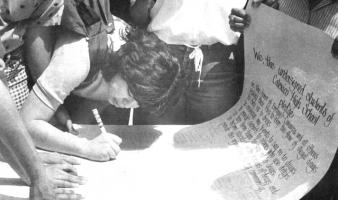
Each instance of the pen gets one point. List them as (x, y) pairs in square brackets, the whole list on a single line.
[(99, 120)]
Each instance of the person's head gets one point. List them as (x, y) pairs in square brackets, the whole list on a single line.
[(144, 71)]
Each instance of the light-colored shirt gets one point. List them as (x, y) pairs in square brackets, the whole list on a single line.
[(70, 66), (194, 22), (17, 15)]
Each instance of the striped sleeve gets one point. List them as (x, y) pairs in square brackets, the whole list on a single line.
[(298, 9), (326, 19), (324, 16)]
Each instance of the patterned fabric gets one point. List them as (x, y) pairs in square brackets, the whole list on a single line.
[(16, 77), (15, 17), (323, 15), (2, 72)]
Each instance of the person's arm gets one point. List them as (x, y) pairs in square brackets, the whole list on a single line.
[(69, 66), (39, 43), (17, 149)]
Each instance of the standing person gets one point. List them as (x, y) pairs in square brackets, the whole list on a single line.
[(217, 84), (322, 14)]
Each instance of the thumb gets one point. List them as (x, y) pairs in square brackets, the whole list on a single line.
[(70, 127), (256, 3)]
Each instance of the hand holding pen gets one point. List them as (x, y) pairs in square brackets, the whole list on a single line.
[(103, 147)]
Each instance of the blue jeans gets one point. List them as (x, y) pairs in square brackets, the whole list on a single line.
[(220, 90)]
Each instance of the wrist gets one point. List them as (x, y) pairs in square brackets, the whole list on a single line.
[(82, 147), (35, 171), (35, 176)]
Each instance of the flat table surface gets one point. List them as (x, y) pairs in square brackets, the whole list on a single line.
[(151, 165)]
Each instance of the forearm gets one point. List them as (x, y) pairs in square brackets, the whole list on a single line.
[(11, 158), (48, 137), (16, 145)]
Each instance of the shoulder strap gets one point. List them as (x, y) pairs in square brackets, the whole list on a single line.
[(87, 17)]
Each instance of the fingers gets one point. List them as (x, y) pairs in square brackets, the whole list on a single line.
[(67, 180), (63, 118), (68, 168), (50, 158), (114, 144), (68, 197), (240, 13), (70, 127), (116, 150), (70, 159), (115, 138), (104, 147), (239, 20), (65, 184), (271, 3), (256, 3), (70, 178), (112, 147), (63, 194), (56, 158)]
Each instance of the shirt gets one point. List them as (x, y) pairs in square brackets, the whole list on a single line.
[(17, 15), (194, 22), (322, 15), (70, 66)]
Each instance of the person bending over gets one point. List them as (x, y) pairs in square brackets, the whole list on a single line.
[(152, 83)]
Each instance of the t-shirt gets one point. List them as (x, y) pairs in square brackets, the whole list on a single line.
[(194, 22), (70, 67), (17, 15)]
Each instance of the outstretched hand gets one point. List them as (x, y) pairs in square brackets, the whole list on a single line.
[(55, 182)]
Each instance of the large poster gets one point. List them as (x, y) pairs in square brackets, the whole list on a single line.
[(288, 107), (276, 143)]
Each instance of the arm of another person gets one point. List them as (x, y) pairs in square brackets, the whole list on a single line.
[(69, 66), (39, 44), (17, 149)]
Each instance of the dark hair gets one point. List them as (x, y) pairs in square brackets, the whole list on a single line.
[(153, 73)]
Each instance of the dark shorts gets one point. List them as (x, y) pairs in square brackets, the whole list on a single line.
[(221, 87)]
